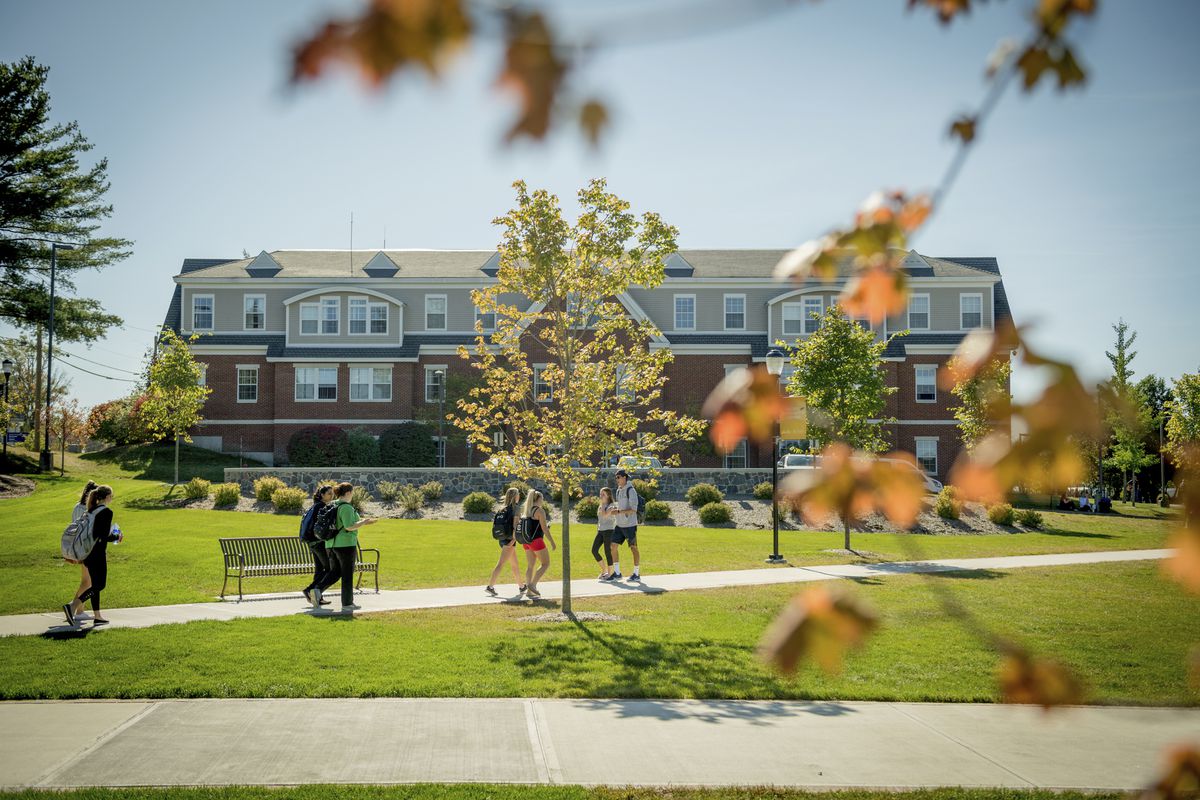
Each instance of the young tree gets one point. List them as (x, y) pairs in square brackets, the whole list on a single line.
[(70, 424), (983, 398), (175, 397), (557, 299), (839, 371), (1183, 426)]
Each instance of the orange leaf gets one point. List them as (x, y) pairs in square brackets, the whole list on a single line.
[(1181, 779), (533, 70), (914, 212), (820, 625), (964, 129), (1184, 565), (877, 294), (1025, 679)]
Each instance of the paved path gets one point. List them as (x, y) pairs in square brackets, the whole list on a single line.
[(282, 605), (716, 743)]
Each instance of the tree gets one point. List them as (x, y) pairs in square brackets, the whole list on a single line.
[(1183, 426), (174, 397), (601, 382), (27, 384), (983, 398), (839, 371), (70, 424), (1128, 417), (1122, 358), (458, 387)]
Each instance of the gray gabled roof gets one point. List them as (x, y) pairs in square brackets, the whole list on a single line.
[(352, 263)]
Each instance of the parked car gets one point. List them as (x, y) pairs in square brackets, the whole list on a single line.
[(932, 484), (800, 461), (636, 463)]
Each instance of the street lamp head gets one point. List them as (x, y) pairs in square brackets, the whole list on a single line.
[(775, 360), (61, 246), (8, 367)]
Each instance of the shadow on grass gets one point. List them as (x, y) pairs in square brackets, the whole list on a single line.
[(157, 461), (1077, 534)]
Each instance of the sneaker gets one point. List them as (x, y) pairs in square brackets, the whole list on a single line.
[(635, 576), (96, 622), (315, 598), (69, 613), (490, 590), (608, 576), (521, 589), (616, 576), (308, 596), (326, 602), (532, 592), (351, 607)]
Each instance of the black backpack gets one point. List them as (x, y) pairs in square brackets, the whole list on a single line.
[(502, 523), (641, 504), (326, 526), (527, 529)]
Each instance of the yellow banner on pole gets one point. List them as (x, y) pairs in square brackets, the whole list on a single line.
[(794, 424)]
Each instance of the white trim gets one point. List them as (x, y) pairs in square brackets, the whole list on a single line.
[(308, 361), (917, 383), (705, 349), (445, 349), (783, 331), (675, 298), (962, 296), (725, 298), (806, 317), (322, 421), (486, 329), (928, 313), (237, 383), (316, 386), (213, 311), (336, 304), (370, 398), (825, 288), (536, 368), (248, 296), (445, 312), (255, 332), (930, 349), (300, 319), (229, 349), (325, 290)]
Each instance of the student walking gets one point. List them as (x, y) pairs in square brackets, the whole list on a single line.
[(533, 522), (504, 531), (325, 571), (96, 561), (606, 520), (80, 511), (344, 546), (625, 531)]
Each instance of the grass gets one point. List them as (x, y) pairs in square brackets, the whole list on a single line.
[(171, 555), (511, 792), (156, 462), (1120, 508), (1129, 642)]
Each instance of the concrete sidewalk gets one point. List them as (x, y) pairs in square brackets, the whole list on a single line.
[(670, 742), (282, 605)]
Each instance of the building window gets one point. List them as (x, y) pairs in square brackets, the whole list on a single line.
[(330, 306), (486, 321), (624, 393), (203, 379), (918, 312), (254, 312), (316, 383), (970, 309), (736, 458), (926, 383), (247, 384), (498, 439), (685, 312), (379, 317), (435, 312), (370, 383), (793, 319), (785, 377), (814, 307), (357, 317), (926, 447), (434, 375), (543, 392), (440, 444), (309, 318), (735, 312), (202, 312)]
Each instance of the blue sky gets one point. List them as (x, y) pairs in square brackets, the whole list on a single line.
[(757, 135)]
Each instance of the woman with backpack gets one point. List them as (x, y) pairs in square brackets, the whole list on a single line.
[(80, 511), (96, 561), (606, 520), (535, 530), (503, 530), (344, 546), (325, 570)]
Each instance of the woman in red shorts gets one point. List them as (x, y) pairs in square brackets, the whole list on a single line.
[(533, 518)]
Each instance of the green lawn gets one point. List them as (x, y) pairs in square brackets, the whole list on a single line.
[(171, 555), (1121, 626), (510, 792)]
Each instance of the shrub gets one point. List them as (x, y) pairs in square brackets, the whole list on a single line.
[(265, 487), (714, 513), (657, 510), (1029, 518), (226, 494), (286, 499), (764, 490), (1001, 514), (478, 503), (431, 491), (556, 493), (197, 489), (359, 497), (410, 498), (587, 508), (704, 493), (948, 506), (319, 446), (119, 422), (388, 491), (646, 489), (409, 444), (361, 449)]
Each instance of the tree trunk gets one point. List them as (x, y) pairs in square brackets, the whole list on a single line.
[(37, 393), (846, 529), (62, 443), (176, 460), (566, 551)]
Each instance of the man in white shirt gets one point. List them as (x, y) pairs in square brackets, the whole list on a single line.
[(626, 527)]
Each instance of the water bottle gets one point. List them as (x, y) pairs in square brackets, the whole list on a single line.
[(116, 529)]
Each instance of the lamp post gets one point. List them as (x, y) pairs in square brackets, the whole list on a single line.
[(8, 368), (441, 379), (45, 461), (1162, 470), (775, 360)]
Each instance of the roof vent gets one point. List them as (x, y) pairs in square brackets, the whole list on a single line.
[(381, 266), (263, 266), (491, 267), (676, 266)]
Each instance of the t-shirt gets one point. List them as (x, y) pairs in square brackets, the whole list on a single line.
[(346, 516), (606, 523), (627, 503)]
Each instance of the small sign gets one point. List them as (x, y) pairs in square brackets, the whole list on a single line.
[(14, 437), (794, 424)]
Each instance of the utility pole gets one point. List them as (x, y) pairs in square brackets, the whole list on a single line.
[(47, 459)]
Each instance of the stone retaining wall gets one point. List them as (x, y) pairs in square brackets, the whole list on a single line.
[(460, 481)]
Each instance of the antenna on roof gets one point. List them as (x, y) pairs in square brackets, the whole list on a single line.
[(385, 237), (351, 244)]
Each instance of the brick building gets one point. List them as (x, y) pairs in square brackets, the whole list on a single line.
[(295, 338)]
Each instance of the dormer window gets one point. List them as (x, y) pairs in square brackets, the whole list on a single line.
[(329, 315), (202, 312), (918, 312), (254, 312)]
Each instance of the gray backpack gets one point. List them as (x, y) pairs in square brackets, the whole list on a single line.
[(79, 537)]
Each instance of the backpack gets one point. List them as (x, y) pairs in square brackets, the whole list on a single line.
[(326, 526), (527, 529), (306, 523), (641, 504), (79, 538), (502, 523)]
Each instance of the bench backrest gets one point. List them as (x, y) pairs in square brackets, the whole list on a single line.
[(268, 549)]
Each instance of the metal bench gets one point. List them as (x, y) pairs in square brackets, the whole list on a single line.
[(261, 556)]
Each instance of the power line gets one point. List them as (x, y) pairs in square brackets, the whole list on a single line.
[(97, 374), (97, 363)]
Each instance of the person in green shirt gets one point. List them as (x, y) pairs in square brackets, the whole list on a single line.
[(344, 546)]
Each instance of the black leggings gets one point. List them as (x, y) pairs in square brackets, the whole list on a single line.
[(325, 573), (346, 556), (603, 539), (98, 572)]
